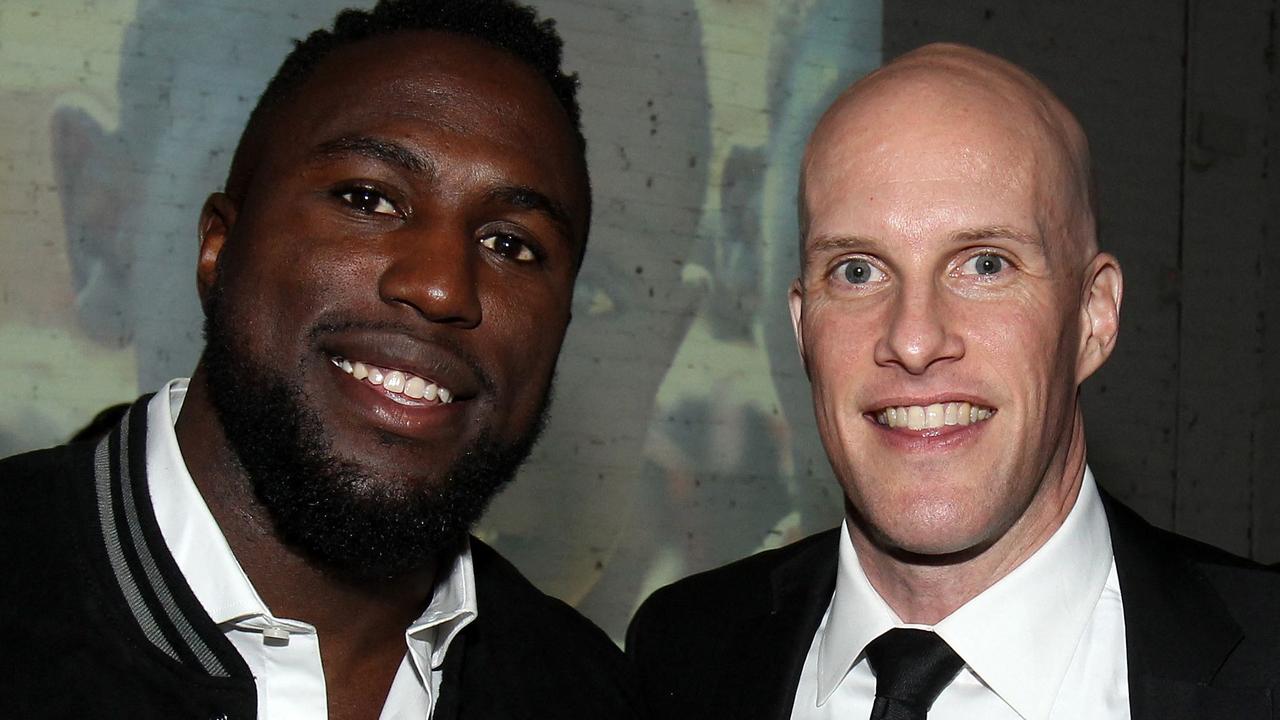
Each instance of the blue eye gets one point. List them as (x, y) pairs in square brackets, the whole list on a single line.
[(858, 271), (985, 264)]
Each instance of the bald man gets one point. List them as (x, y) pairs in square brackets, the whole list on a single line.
[(951, 300)]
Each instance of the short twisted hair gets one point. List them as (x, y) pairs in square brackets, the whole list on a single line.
[(503, 24)]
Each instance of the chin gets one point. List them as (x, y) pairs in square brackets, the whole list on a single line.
[(932, 527)]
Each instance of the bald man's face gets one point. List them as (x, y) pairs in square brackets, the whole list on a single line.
[(943, 314)]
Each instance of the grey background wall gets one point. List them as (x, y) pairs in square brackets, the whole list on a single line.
[(682, 435)]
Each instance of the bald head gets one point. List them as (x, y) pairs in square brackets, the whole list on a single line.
[(959, 112)]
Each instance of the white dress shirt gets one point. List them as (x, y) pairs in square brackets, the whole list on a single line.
[(284, 654), (1045, 642)]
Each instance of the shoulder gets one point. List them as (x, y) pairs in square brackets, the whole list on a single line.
[(704, 616), (47, 463), (44, 486), (544, 648), (744, 585), (691, 641), (1212, 596), (1138, 546), (504, 595)]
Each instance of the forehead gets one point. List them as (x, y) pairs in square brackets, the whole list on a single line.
[(922, 134), (434, 90), (937, 143)]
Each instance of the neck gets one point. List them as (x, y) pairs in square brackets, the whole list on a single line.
[(925, 589), (352, 616)]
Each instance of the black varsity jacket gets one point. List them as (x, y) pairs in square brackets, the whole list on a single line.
[(96, 621)]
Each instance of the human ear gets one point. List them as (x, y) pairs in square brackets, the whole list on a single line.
[(217, 217), (795, 299), (1099, 314)]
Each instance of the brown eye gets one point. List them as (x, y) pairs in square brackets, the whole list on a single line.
[(368, 201), (508, 246)]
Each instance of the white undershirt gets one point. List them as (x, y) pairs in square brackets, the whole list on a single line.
[(286, 667), (1046, 642)]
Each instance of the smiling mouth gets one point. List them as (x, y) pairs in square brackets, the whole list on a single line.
[(928, 417), (401, 386)]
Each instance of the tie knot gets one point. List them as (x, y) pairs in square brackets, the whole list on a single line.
[(912, 667)]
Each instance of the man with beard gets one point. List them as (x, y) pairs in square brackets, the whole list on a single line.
[(951, 299), (386, 283)]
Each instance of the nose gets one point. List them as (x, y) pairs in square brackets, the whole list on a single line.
[(921, 332), (435, 273)]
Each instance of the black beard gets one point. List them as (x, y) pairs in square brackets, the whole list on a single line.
[(332, 510)]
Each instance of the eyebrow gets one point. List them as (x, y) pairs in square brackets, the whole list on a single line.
[(844, 243), (526, 198), (378, 149), (996, 231), (840, 243)]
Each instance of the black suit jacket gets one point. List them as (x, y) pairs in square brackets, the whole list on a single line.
[(97, 621), (1202, 630)]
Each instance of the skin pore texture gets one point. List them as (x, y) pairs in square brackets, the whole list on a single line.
[(950, 302), (416, 217)]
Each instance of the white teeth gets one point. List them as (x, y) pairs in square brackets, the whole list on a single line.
[(395, 381), (928, 417)]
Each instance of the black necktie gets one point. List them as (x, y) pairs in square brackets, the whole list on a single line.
[(911, 667)]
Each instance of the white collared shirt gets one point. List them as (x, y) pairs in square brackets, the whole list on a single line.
[(284, 654), (1045, 642)]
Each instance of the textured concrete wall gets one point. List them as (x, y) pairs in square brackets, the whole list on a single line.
[(1180, 103)]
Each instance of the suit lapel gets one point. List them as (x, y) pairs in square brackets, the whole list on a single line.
[(763, 670), (1178, 632)]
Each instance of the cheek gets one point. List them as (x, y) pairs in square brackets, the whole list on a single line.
[(526, 328), (838, 348), (1029, 346)]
